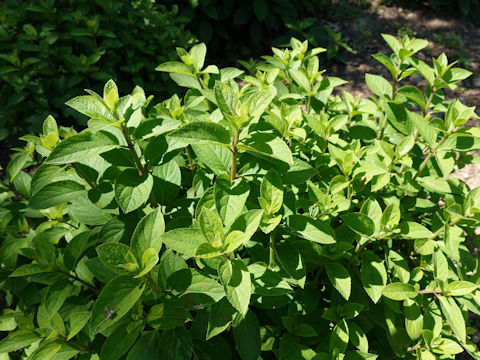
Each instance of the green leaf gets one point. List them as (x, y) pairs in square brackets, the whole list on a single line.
[(77, 321), (132, 190), (18, 340), (311, 229), (117, 297), (267, 282), (414, 94), (110, 94), (425, 128), (148, 233), (267, 146), (82, 146), (413, 230), (413, 319), (217, 158), (247, 337), (167, 316), (119, 341), (256, 101), (291, 261), (176, 344), (227, 100), (248, 222), (203, 290), (198, 53), (271, 190), (391, 216), (175, 67), (184, 241), (359, 223), (399, 291), (55, 194), (446, 347), (230, 198), (220, 317), (454, 316), (357, 337), (149, 260), (459, 288), (260, 8), (379, 85), (211, 227), (46, 350), (28, 269), (93, 107), (145, 347), (118, 257), (424, 70), (17, 163), (235, 278), (339, 338), (373, 275), (234, 240), (202, 133), (300, 78), (340, 278)]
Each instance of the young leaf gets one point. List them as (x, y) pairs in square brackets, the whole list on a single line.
[(93, 107), (211, 227), (118, 257)]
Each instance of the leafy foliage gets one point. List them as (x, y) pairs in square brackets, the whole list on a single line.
[(260, 216), (52, 50)]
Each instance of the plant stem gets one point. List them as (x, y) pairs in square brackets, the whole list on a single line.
[(429, 156), (395, 80), (131, 147), (84, 176), (309, 104), (153, 285), (271, 261), (429, 101), (439, 231), (234, 150), (76, 278)]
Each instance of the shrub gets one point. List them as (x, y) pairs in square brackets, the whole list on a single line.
[(52, 50), (243, 28), (258, 216)]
